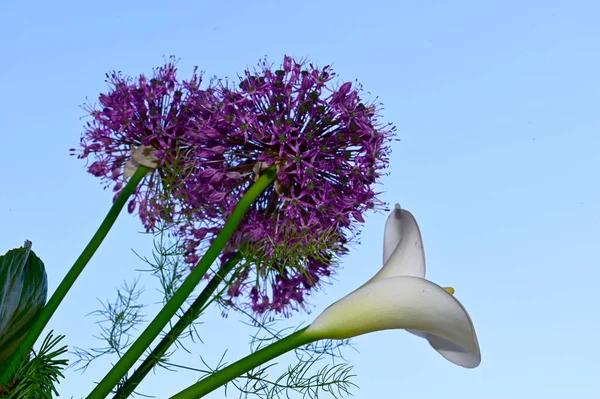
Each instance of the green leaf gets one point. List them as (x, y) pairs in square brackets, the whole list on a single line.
[(23, 293)]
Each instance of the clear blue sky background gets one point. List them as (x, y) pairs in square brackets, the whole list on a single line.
[(497, 106)]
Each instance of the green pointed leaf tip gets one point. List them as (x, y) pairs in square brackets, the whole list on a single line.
[(23, 293)]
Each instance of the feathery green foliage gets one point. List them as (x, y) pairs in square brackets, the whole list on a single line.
[(37, 378)]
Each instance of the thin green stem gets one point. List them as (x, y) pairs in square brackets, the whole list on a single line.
[(222, 377), (68, 281), (145, 339), (186, 320)]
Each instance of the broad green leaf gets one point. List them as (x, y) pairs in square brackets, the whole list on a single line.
[(23, 292)]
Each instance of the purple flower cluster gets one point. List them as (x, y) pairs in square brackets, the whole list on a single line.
[(326, 143), (156, 113), (328, 149)]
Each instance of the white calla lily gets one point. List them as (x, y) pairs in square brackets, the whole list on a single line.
[(399, 297)]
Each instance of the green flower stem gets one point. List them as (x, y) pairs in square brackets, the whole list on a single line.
[(188, 318), (67, 282), (144, 341), (221, 377)]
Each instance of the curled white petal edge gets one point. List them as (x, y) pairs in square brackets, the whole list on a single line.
[(403, 253), (405, 302)]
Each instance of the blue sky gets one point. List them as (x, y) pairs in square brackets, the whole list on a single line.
[(496, 105)]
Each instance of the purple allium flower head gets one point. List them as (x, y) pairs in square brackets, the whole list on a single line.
[(329, 150), (152, 115)]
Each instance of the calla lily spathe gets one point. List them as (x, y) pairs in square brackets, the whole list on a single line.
[(399, 297)]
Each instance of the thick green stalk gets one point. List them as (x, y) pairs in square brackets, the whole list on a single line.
[(136, 350), (188, 318), (221, 377), (68, 281)]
